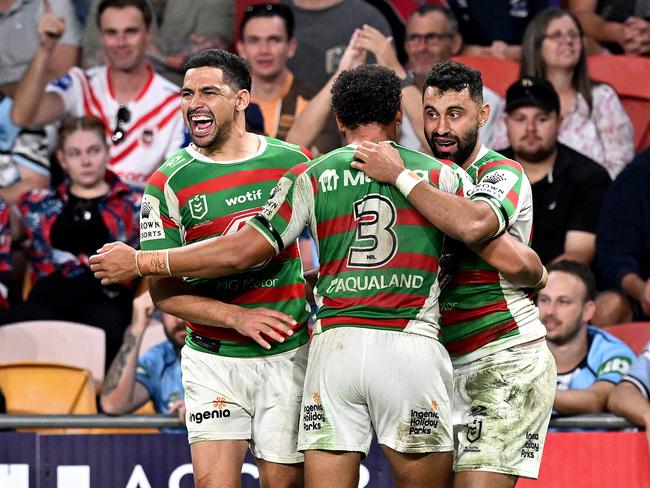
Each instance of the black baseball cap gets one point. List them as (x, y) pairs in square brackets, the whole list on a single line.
[(529, 90)]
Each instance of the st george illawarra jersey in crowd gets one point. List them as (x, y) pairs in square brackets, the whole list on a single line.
[(152, 125), (378, 255), (481, 311), (191, 198)]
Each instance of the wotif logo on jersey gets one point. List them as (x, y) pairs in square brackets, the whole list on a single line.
[(249, 196), (198, 206)]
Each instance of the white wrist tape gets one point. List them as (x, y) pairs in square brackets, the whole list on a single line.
[(406, 181)]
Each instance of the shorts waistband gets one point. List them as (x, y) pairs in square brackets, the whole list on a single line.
[(212, 345)]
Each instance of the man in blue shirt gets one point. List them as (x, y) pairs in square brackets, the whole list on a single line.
[(156, 375), (631, 397), (590, 361)]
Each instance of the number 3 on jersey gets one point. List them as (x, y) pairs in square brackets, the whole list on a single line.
[(376, 242)]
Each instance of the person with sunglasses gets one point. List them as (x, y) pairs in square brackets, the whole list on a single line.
[(66, 224), (139, 107)]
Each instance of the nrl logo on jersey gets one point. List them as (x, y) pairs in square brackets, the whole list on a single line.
[(198, 206)]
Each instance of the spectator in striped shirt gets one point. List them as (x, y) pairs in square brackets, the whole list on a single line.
[(139, 108)]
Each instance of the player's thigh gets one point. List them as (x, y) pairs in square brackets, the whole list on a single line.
[(484, 479), (327, 469), (277, 407), (217, 408), (217, 464), (275, 475), (426, 470), (502, 405), (410, 386), (334, 414)]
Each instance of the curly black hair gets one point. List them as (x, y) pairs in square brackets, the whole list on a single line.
[(367, 94), (236, 72), (451, 75)]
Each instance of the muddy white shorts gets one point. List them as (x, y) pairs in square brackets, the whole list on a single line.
[(501, 408), (256, 399), (359, 380)]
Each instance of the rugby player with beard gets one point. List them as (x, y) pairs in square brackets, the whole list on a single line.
[(504, 373), (244, 364)]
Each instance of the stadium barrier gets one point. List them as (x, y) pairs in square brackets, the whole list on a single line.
[(32, 460)]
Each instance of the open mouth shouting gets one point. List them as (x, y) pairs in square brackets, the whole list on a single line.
[(201, 124)]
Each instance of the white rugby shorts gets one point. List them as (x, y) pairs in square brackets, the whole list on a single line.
[(360, 378), (501, 408), (256, 399)]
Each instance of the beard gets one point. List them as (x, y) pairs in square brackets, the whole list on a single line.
[(216, 141), (534, 156), (464, 146)]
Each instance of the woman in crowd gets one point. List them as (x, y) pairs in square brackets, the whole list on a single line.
[(66, 225), (594, 122)]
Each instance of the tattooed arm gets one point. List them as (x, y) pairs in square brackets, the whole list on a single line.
[(121, 392)]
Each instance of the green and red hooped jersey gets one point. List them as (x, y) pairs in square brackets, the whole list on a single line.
[(378, 256), (191, 198), (482, 312)]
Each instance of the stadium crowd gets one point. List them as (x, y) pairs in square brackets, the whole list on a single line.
[(109, 110)]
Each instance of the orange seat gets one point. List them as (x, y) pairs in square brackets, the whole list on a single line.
[(634, 334), (47, 388), (630, 77), (498, 74)]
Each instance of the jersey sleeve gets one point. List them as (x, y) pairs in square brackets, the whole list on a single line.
[(70, 89), (500, 184), (613, 362), (160, 224), (639, 372), (288, 210), (454, 179)]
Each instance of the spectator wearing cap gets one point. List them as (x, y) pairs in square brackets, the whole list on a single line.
[(568, 188)]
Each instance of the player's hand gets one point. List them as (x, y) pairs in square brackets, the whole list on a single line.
[(379, 160), (261, 324), (50, 27), (374, 41), (178, 407), (114, 262)]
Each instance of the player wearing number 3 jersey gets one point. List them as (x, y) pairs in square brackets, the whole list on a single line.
[(375, 363)]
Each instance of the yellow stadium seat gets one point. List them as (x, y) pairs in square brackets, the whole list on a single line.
[(48, 388)]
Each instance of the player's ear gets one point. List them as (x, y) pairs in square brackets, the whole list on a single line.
[(484, 114), (243, 100), (339, 124)]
